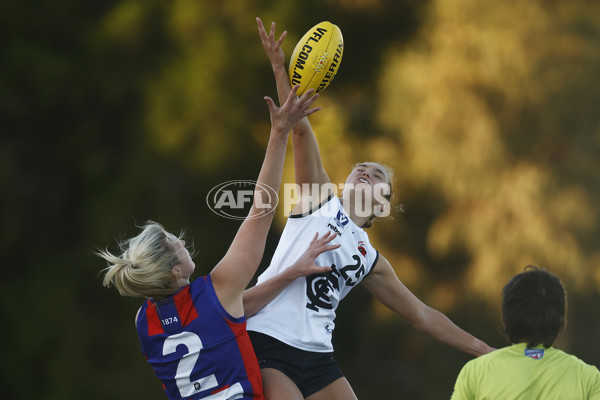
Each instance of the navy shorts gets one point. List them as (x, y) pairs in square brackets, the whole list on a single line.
[(310, 371)]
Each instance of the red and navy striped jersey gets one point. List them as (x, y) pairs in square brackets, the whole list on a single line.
[(196, 348)]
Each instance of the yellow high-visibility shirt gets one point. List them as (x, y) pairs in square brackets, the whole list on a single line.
[(518, 373)]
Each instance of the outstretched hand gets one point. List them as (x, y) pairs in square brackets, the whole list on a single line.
[(272, 46), (293, 110), (305, 265)]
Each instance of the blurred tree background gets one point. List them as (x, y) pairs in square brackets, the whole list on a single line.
[(116, 112)]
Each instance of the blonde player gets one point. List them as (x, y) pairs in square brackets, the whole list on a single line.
[(194, 334)]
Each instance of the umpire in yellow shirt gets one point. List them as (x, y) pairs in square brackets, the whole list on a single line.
[(533, 311)]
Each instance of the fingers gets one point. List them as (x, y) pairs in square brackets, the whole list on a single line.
[(280, 41), (328, 237), (307, 95), (270, 103), (312, 111), (292, 94), (323, 249), (294, 109), (305, 100), (314, 239), (320, 245), (308, 98), (261, 28), (269, 37), (322, 269)]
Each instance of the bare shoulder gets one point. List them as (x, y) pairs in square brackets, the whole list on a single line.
[(382, 268), (227, 293)]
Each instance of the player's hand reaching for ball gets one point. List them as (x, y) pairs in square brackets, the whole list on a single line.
[(293, 110), (272, 46)]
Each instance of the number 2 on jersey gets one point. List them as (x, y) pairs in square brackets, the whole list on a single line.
[(186, 386)]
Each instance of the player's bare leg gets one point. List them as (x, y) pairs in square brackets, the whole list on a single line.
[(278, 386), (340, 389)]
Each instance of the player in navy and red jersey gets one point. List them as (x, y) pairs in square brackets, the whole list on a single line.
[(215, 345), (194, 334)]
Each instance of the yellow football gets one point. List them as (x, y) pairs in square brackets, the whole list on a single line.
[(317, 57)]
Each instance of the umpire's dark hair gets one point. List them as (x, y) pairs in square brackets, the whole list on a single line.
[(533, 307)]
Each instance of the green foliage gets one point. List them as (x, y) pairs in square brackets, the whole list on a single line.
[(496, 112)]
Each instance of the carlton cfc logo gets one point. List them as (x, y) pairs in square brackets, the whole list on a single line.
[(322, 290)]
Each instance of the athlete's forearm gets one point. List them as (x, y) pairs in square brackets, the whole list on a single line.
[(441, 328), (259, 296), (307, 158), (270, 174), (282, 81), (233, 273)]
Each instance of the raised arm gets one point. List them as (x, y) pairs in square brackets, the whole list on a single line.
[(387, 288), (307, 158), (233, 273)]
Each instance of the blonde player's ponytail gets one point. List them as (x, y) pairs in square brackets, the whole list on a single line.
[(144, 267)]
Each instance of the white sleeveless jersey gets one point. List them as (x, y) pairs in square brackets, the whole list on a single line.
[(303, 314)]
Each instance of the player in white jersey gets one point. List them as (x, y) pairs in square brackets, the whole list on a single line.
[(303, 315), (292, 334)]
